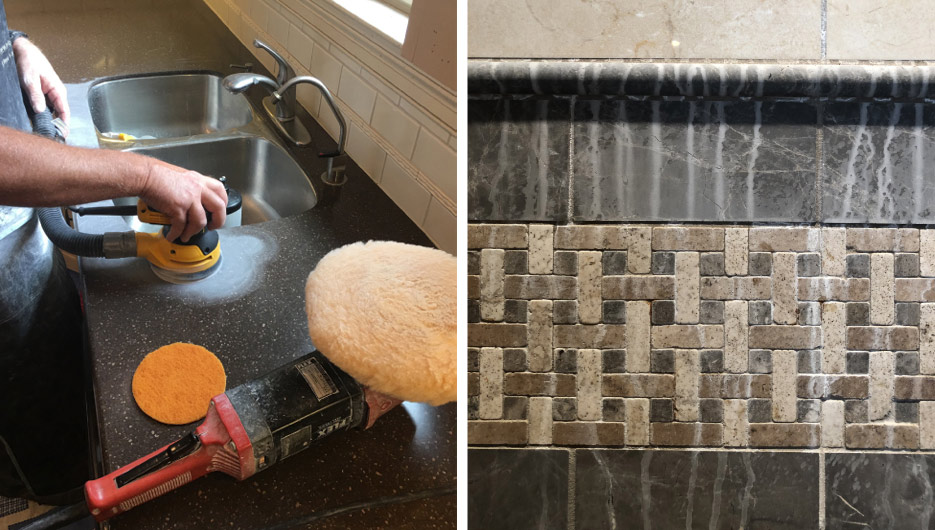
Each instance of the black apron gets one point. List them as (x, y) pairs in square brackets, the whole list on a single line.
[(43, 428)]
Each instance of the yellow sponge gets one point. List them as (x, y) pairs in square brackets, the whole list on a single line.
[(175, 383)]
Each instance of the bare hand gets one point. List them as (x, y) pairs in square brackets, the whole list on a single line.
[(184, 196), (39, 79)]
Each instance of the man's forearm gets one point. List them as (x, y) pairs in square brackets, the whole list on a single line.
[(39, 172)]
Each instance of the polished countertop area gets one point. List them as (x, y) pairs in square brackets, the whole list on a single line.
[(398, 474)]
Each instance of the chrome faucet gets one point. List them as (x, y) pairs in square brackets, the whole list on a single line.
[(285, 108), (238, 83)]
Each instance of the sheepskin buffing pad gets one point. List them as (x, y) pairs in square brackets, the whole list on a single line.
[(386, 313)]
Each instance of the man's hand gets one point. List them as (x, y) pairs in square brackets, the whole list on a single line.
[(185, 196), (39, 79)]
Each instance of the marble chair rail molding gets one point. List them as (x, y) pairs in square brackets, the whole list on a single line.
[(608, 141)]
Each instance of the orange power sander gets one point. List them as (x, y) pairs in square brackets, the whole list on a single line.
[(247, 429)]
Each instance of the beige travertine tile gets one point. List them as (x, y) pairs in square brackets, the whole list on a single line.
[(539, 335), (496, 236), (784, 385), (927, 339), (688, 238), (784, 239), (736, 251), (654, 29), (927, 252), (927, 425), (833, 252), (490, 406), (637, 421), (638, 336), (639, 249), (589, 287), (832, 328), (687, 279), (867, 29), (585, 237), (735, 336), (736, 424), (589, 385), (882, 308), (785, 308), (540, 420), (491, 284), (832, 423), (882, 371), (540, 248), (687, 370)]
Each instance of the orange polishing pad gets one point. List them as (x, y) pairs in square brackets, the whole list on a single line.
[(175, 383)]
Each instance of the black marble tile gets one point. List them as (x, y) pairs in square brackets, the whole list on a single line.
[(692, 489), (509, 489), (873, 490), (690, 160), (876, 160), (518, 159)]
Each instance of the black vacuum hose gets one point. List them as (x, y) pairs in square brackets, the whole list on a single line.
[(52, 221), (70, 240)]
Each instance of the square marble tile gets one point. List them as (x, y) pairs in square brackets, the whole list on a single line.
[(870, 29)]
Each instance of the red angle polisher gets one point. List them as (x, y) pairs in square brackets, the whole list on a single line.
[(247, 429)]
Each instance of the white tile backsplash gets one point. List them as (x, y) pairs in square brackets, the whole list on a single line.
[(365, 152), (357, 94), (408, 194), (434, 158), (393, 135), (441, 226), (394, 125)]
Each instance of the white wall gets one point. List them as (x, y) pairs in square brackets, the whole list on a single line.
[(402, 123)]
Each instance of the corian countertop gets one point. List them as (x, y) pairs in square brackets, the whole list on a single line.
[(398, 474)]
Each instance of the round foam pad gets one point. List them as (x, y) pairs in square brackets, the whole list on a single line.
[(175, 383), (386, 313)]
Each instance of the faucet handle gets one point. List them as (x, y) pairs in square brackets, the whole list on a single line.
[(285, 72)]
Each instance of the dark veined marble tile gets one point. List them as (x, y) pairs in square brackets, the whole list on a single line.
[(872, 490), (678, 160), (695, 489), (876, 165), (518, 159), (512, 489)]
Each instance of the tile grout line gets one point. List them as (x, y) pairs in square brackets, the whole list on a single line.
[(571, 488)]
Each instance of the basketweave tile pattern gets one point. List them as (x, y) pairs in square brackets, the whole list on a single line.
[(713, 336)]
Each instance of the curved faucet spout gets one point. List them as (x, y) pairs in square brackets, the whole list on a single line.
[(342, 125), (238, 83)]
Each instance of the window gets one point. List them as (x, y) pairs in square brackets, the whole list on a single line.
[(403, 6), (388, 16)]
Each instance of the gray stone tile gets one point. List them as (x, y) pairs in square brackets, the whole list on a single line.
[(663, 312), (473, 262), (565, 312), (614, 409), (565, 263), (808, 265), (712, 361), (712, 264), (653, 160), (856, 411), (858, 266), (614, 262), (518, 159), (663, 263), (514, 360), (907, 363), (906, 265), (614, 361), (516, 311), (907, 314), (857, 362), (614, 311), (473, 359), (761, 264), (516, 262), (711, 312), (873, 490), (808, 410), (857, 314), (566, 361), (809, 361), (662, 361), (508, 488), (473, 406), (875, 164), (907, 412), (809, 314), (711, 410), (760, 410), (761, 361), (473, 311), (661, 410), (692, 489), (515, 407), (564, 409), (760, 312)]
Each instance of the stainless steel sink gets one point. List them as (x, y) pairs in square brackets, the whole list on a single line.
[(271, 182), (166, 106)]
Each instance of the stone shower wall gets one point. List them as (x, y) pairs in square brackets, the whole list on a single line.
[(700, 295)]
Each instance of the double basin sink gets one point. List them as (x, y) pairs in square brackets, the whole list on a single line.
[(191, 121)]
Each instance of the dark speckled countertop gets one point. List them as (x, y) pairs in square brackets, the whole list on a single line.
[(398, 474)]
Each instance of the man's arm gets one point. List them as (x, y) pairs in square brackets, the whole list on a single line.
[(39, 172)]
